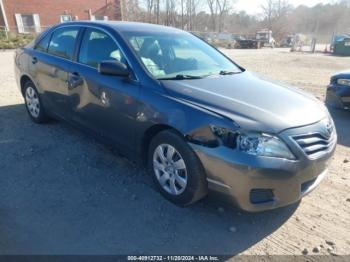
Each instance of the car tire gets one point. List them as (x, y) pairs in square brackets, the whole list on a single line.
[(176, 169), (33, 103)]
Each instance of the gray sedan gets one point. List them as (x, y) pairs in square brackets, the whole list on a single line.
[(198, 120)]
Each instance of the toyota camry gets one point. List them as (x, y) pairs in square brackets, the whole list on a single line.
[(198, 120)]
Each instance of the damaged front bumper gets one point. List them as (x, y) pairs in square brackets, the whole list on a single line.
[(257, 183)]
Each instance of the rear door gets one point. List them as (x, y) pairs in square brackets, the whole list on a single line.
[(51, 63), (104, 104)]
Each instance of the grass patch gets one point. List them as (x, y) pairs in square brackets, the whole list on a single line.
[(14, 41)]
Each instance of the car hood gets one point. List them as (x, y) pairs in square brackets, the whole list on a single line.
[(253, 102)]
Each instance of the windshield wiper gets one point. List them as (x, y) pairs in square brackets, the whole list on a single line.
[(181, 77), (224, 73)]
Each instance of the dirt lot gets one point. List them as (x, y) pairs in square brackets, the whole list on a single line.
[(62, 192)]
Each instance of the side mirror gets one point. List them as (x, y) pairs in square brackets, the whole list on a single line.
[(113, 68)]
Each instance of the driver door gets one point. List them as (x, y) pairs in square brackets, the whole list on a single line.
[(104, 104)]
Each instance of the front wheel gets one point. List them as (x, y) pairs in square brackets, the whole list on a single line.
[(33, 103), (176, 169)]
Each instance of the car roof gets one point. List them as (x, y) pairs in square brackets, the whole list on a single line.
[(122, 26)]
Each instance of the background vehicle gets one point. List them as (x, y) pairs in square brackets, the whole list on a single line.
[(262, 38), (337, 39), (265, 38), (341, 45), (338, 91), (287, 41)]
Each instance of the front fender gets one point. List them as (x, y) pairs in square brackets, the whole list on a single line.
[(190, 120)]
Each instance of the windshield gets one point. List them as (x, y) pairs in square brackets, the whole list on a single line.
[(178, 56)]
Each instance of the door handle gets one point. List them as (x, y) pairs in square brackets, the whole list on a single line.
[(74, 80), (34, 60)]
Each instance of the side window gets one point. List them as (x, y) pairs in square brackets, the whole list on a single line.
[(96, 47), (63, 42), (43, 44), (136, 42), (150, 53)]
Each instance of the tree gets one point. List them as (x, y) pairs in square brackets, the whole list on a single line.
[(275, 16), (223, 8), (319, 21), (150, 6), (131, 10), (213, 13), (157, 11), (218, 8)]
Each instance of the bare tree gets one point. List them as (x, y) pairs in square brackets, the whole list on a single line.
[(157, 10), (195, 7), (182, 14), (213, 13), (321, 20), (223, 7), (275, 14), (283, 8), (130, 10), (218, 9), (268, 12), (150, 6), (170, 12)]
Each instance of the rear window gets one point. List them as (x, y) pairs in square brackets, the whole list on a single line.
[(63, 42), (96, 47), (43, 44)]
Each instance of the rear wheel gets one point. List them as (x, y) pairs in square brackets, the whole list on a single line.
[(33, 103), (176, 170)]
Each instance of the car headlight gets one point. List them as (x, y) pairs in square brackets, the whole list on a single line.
[(257, 144), (263, 145), (343, 82)]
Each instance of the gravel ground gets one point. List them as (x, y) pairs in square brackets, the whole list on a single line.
[(62, 192)]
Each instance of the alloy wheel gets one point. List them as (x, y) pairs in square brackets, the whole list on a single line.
[(170, 169), (32, 102)]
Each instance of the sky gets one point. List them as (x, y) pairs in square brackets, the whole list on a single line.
[(254, 6)]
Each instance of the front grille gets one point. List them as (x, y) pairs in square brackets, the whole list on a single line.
[(316, 145), (260, 196)]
